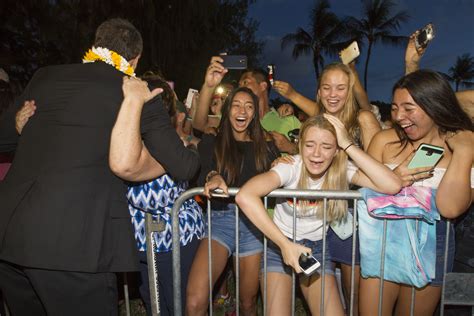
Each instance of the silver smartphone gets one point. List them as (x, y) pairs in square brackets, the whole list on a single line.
[(219, 193), (425, 35), (308, 263)]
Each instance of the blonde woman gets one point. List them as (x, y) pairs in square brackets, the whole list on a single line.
[(322, 164)]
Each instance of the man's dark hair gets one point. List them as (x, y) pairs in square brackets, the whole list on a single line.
[(260, 75), (120, 36)]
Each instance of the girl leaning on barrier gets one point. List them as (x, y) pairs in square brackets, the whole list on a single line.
[(341, 94), (322, 164), (237, 153), (425, 110)]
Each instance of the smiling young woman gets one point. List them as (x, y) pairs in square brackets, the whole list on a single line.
[(425, 110), (237, 153)]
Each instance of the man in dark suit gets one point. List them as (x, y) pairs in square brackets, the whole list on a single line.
[(64, 223)]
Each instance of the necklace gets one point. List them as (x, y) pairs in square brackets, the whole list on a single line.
[(109, 57)]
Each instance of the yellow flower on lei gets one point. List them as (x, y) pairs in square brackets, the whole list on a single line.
[(109, 57)]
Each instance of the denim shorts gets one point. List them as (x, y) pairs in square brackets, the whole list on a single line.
[(223, 231), (440, 248), (341, 250), (275, 260)]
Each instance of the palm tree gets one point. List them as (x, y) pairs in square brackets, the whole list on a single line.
[(325, 36), (463, 71), (378, 24)]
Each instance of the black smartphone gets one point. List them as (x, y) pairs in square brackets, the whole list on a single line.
[(308, 263), (234, 61), (425, 35), (294, 135)]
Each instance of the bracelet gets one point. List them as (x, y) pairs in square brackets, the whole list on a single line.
[(211, 174), (348, 146)]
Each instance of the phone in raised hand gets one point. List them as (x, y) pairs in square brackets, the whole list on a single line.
[(424, 36), (189, 97), (234, 61), (349, 53)]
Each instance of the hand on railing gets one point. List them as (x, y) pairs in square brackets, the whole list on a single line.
[(215, 181)]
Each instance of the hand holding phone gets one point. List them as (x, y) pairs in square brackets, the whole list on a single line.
[(234, 61), (349, 53), (424, 36), (189, 97), (308, 263), (426, 156), (219, 193)]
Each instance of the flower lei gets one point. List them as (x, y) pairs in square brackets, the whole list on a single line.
[(109, 57)]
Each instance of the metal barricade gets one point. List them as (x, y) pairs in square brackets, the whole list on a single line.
[(151, 227)]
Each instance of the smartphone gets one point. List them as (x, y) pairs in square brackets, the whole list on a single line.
[(271, 73), (425, 35), (189, 98), (294, 135), (234, 61), (349, 53), (308, 263), (426, 156), (219, 193)]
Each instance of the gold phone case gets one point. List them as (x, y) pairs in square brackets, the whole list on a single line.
[(349, 53)]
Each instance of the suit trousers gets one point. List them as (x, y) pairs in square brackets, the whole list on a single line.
[(32, 291)]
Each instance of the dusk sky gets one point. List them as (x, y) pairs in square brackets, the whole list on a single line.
[(454, 36)]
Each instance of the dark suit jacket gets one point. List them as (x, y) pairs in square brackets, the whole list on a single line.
[(61, 208)]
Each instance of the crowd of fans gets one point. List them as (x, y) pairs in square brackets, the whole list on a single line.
[(157, 148)]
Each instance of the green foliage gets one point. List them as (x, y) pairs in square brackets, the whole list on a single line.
[(379, 23), (327, 35), (180, 36), (462, 73)]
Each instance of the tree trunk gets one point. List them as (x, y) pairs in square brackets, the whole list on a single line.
[(316, 65), (367, 65)]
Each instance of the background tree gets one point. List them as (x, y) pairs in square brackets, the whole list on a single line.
[(379, 22), (326, 36), (179, 36), (462, 73)]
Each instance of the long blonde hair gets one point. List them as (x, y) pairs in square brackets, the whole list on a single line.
[(335, 177), (349, 112)]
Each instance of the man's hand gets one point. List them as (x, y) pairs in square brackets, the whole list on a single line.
[(137, 89), (284, 89), (24, 114), (283, 144)]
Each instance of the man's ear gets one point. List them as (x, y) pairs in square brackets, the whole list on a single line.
[(134, 62)]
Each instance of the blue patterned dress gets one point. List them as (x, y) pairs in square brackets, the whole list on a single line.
[(158, 197)]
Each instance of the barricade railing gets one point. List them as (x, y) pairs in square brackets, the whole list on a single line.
[(152, 227)]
